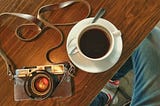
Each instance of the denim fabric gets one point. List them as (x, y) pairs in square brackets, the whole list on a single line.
[(146, 66), (101, 100), (145, 62), (124, 69)]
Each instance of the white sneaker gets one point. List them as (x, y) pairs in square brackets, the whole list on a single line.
[(110, 95)]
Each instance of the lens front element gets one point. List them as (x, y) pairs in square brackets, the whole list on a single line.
[(41, 84)]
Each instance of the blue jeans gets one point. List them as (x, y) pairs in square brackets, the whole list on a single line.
[(145, 62)]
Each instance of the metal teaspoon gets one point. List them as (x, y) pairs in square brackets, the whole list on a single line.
[(99, 14)]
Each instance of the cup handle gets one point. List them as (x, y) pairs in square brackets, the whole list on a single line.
[(72, 49), (117, 33)]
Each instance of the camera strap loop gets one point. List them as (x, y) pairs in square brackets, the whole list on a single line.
[(42, 25), (56, 6)]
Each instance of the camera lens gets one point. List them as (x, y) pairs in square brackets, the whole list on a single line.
[(42, 84)]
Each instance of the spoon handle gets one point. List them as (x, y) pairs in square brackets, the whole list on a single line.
[(99, 14)]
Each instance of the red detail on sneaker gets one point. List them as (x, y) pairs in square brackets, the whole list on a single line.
[(109, 98), (116, 82), (113, 84)]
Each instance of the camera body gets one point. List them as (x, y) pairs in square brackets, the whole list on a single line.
[(41, 82)]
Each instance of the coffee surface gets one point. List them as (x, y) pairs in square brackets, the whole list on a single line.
[(94, 43)]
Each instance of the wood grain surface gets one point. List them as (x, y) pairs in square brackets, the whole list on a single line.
[(135, 19)]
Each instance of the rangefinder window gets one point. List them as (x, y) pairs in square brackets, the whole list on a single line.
[(48, 68)]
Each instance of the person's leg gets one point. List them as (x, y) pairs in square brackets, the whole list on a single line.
[(104, 98), (123, 70), (100, 100), (114, 82), (146, 67)]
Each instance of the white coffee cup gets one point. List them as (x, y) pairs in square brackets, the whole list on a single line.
[(76, 44)]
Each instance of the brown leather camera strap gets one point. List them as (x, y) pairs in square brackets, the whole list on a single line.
[(42, 25), (9, 64), (56, 6)]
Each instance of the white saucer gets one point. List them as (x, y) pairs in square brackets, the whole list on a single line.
[(88, 65)]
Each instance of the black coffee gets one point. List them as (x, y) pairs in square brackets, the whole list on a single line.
[(94, 43)]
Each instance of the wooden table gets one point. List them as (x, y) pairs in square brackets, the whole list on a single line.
[(135, 19)]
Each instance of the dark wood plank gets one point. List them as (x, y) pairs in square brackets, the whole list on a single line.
[(135, 18)]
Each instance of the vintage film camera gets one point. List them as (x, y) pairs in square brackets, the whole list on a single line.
[(41, 82)]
